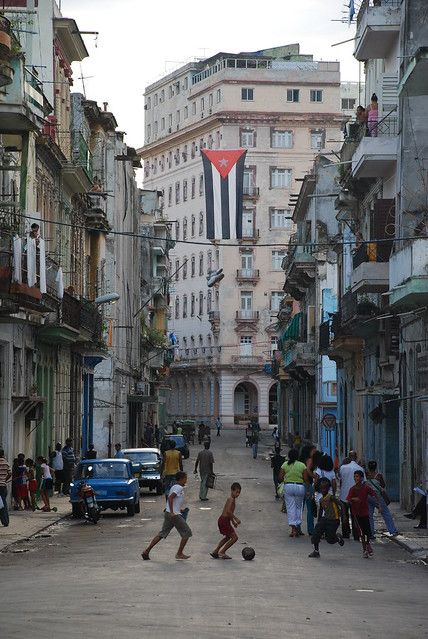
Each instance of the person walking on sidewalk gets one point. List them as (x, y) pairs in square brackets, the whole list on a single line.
[(373, 480), (218, 426), (294, 475), (420, 510), (69, 463), (276, 462), (47, 482), (172, 463), (307, 456), (346, 474), (255, 432), (328, 518), (174, 517), (5, 475), (205, 461), (57, 462), (358, 497)]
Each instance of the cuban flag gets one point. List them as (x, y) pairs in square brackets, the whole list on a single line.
[(224, 176)]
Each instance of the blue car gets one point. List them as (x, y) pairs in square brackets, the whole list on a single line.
[(113, 482)]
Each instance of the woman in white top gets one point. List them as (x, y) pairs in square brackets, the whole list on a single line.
[(325, 468), (47, 482)]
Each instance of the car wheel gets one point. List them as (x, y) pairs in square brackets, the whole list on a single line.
[(137, 504), (77, 511), (130, 509)]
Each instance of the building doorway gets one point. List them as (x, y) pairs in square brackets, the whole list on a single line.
[(273, 405), (245, 402)]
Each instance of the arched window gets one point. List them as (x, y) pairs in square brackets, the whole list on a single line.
[(209, 302), (185, 228), (193, 266), (184, 269), (201, 304), (201, 223), (193, 187), (209, 261), (185, 153), (177, 230), (184, 306), (177, 307), (193, 150), (201, 263), (192, 305), (193, 225), (201, 185)]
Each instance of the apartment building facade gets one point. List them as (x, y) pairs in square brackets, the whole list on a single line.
[(282, 107)]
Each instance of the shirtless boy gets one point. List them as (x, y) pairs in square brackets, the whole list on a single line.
[(225, 522)]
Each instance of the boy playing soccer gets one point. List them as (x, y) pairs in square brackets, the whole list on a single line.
[(225, 522), (328, 518), (358, 498)]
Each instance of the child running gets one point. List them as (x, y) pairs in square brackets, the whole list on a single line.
[(328, 518), (225, 521), (358, 498)]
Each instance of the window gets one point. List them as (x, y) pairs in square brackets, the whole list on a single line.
[(186, 112), (170, 91), (186, 84), (184, 154), (193, 226), (184, 305), (281, 139), (248, 223), (218, 96), (277, 257), (246, 345), (247, 263), (155, 99), (246, 304), (249, 183), (192, 305), (210, 100), (280, 178), (316, 95), (209, 301), (209, 261), (201, 223), (193, 266), (162, 124), (185, 228), (275, 300), (149, 131), (177, 307), (293, 95), (162, 96), (170, 159), (184, 190), (170, 120), (193, 150), (193, 108), (210, 141), (162, 163), (201, 304), (177, 156), (177, 230), (177, 272), (177, 192), (317, 140), (201, 185), (247, 95), (184, 269), (348, 103), (273, 344), (201, 263), (248, 139), (218, 139), (155, 128), (170, 196), (201, 144), (202, 104), (177, 116), (149, 103), (280, 219), (193, 187)]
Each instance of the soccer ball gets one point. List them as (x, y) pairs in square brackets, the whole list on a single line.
[(248, 553)]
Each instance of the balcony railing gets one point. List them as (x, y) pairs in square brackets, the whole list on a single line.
[(251, 191), (372, 252), (250, 234), (70, 311), (214, 316), (366, 4), (247, 360), (248, 274), (358, 305), (90, 319), (324, 336), (247, 315)]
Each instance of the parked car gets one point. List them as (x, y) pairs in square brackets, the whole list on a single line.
[(146, 465), (113, 482), (180, 444)]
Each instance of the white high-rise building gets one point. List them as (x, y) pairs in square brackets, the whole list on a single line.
[(284, 108)]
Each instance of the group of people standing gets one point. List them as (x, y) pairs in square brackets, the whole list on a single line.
[(31, 479), (346, 496)]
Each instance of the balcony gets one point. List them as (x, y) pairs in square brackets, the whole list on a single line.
[(90, 321), (250, 235), (415, 78), (408, 275), (25, 104), (214, 320), (376, 155), (299, 360), (377, 28), (77, 171), (247, 361), (325, 337), (355, 307), (299, 271), (251, 192), (247, 316), (63, 326), (96, 211), (371, 269), (245, 275)]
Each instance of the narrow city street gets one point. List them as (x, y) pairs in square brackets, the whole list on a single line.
[(83, 580)]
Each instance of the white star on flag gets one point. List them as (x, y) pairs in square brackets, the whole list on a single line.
[(224, 162)]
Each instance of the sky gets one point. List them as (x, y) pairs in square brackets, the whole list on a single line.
[(141, 40)]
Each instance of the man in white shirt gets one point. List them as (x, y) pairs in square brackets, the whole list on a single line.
[(57, 462), (174, 517), (346, 473)]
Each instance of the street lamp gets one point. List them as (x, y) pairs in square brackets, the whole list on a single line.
[(107, 298)]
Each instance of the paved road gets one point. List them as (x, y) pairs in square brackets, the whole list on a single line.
[(90, 581)]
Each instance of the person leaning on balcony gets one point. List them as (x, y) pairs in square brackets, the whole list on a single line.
[(373, 116)]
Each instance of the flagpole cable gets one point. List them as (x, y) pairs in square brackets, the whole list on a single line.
[(215, 243)]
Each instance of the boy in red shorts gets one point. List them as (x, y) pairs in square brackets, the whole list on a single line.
[(225, 522), (358, 498)]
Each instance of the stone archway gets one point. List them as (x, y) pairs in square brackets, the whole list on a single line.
[(245, 402), (273, 405)]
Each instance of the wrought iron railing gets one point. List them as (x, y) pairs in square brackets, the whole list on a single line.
[(248, 315), (372, 252)]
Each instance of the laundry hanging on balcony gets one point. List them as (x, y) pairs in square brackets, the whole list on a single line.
[(59, 280), (17, 259), (31, 261), (42, 265), (224, 176)]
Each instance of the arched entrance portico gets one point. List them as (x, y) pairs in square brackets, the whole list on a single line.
[(273, 404), (245, 402)]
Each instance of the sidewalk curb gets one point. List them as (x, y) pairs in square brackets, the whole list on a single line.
[(37, 532), (406, 544)]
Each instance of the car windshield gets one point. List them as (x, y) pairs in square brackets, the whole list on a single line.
[(179, 439), (103, 470), (142, 457)]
